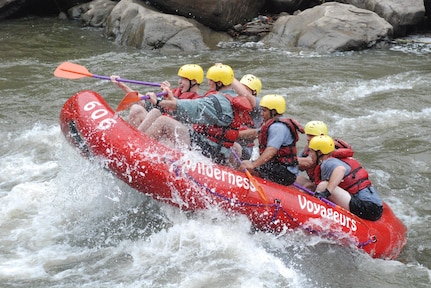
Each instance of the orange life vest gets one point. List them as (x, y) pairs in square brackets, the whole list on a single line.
[(286, 154)]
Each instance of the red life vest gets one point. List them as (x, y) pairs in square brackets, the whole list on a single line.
[(186, 95), (355, 181), (286, 154), (222, 135), (342, 150)]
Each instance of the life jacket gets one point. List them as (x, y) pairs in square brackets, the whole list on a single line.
[(342, 150), (177, 94), (355, 181), (227, 135), (286, 154), (257, 122), (186, 95)]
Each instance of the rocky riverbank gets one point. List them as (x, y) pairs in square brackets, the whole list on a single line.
[(324, 26)]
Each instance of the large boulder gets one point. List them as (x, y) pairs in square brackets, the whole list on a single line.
[(290, 6), (133, 23), (401, 14), (17, 8), (219, 15), (94, 14), (330, 27)]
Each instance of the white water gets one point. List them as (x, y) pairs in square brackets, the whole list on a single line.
[(66, 222)]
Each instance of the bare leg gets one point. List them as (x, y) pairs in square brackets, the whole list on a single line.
[(339, 196), (174, 133), (149, 119), (137, 114)]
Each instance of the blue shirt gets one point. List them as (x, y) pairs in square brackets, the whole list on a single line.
[(279, 135), (328, 166)]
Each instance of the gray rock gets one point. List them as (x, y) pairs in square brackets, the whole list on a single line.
[(218, 15), (401, 14), (94, 13), (330, 27), (135, 24)]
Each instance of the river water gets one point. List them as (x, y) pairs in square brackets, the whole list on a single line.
[(65, 222)]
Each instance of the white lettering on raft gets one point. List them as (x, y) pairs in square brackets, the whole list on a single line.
[(327, 213), (213, 171)]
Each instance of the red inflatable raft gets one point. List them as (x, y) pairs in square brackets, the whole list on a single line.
[(192, 183)]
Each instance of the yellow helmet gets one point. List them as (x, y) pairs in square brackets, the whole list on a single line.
[(274, 101), (322, 143), (192, 72), (251, 82), (222, 73), (316, 128)]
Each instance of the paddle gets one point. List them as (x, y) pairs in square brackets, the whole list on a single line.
[(74, 71), (330, 203), (252, 179), (132, 97)]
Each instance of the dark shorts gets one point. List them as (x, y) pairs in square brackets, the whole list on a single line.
[(276, 172), (365, 209)]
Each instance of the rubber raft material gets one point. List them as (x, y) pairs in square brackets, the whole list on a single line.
[(193, 182)]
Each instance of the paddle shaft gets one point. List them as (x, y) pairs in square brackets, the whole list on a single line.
[(312, 193), (126, 80)]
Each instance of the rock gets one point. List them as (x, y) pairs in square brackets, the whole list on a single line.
[(290, 6), (219, 15), (18, 8), (9, 8), (400, 14), (330, 27), (93, 14), (133, 23)]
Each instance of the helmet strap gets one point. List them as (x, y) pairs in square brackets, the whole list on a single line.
[(190, 85), (218, 86), (319, 155)]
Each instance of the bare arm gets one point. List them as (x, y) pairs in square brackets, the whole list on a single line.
[(305, 163), (248, 134), (336, 177), (267, 154), (241, 90), (123, 86)]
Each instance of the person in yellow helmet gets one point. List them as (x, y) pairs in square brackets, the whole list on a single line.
[(247, 133), (215, 119), (278, 161), (306, 160), (190, 78), (344, 181)]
